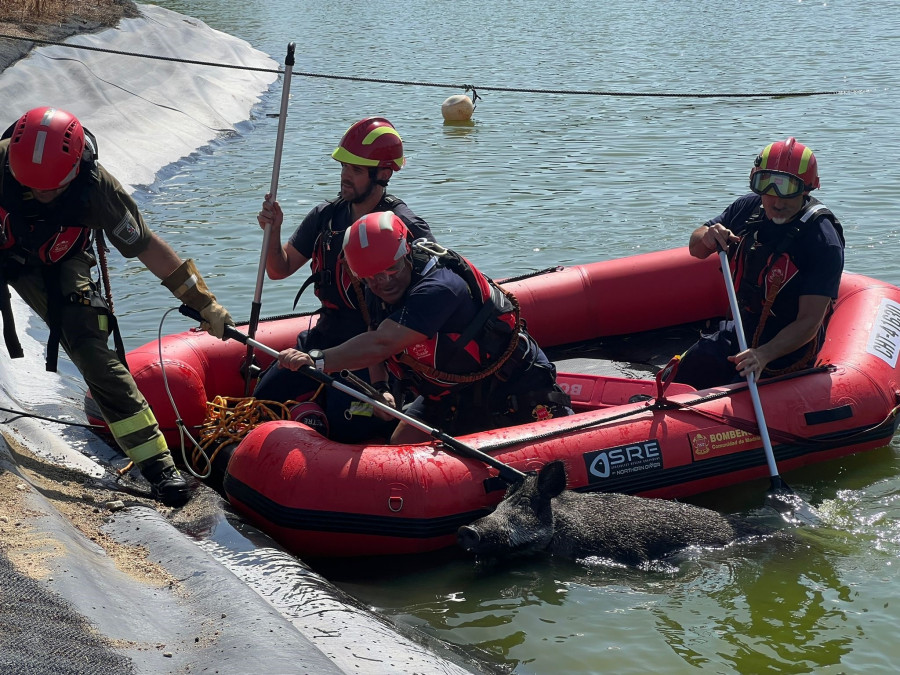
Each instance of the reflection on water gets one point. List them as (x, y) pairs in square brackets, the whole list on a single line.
[(545, 179), (540, 179), (792, 599)]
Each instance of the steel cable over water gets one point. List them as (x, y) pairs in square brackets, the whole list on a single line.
[(444, 85)]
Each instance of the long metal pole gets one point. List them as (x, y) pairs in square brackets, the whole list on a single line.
[(751, 381), (780, 496), (267, 232), (507, 473)]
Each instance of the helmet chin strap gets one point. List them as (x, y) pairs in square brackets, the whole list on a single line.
[(373, 176), (372, 183)]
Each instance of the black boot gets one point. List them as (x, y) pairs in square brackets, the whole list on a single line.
[(166, 484)]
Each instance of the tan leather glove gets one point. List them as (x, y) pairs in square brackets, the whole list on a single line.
[(215, 318), (188, 286)]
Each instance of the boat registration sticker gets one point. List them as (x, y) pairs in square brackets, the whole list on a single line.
[(723, 440), (623, 460), (884, 338)]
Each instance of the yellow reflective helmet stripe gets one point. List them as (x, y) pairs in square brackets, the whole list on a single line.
[(347, 157), (764, 156), (342, 154), (804, 161), (805, 156), (377, 132)]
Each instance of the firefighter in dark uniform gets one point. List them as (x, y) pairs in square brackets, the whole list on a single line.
[(54, 199), (446, 330), (369, 152), (786, 251)]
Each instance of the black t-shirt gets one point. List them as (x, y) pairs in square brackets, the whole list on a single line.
[(316, 222), (818, 254), (818, 250)]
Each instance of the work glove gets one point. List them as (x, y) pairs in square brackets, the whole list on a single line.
[(188, 286), (215, 318)]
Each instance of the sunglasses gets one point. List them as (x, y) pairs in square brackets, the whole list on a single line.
[(781, 184), (384, 276)]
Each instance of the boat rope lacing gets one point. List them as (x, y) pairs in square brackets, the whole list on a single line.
[(663, 404), (444, 85), (279, 317), (546, 270)]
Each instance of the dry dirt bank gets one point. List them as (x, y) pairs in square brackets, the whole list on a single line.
[(55, 20)]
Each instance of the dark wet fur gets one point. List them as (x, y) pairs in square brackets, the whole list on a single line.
[(540, 515)]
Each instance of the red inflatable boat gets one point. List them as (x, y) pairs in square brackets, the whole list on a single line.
[(321, 498)]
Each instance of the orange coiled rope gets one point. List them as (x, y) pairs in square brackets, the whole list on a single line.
[(228, 420)]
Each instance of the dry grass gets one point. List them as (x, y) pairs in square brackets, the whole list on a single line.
[(28, 13)]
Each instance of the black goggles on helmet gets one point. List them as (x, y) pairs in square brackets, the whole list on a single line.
[(781, 184)]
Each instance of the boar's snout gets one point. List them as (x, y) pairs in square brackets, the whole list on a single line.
[(468, 538)]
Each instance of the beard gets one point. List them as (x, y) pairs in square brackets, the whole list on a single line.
[(349, 193)]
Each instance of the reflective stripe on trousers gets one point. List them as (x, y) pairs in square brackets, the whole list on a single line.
[(84, 336)]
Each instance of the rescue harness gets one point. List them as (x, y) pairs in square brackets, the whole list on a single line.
[(330, 278), (31, 234), (496, 328), (762, 270)]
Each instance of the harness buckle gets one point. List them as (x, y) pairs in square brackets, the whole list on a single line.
[(80, 297)]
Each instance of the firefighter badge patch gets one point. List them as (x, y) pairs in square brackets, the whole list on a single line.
[(541, 413)]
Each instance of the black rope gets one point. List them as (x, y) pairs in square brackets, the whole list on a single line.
[(279, 317), (586, 92), (21, 413), (529, 275), (143, 56), (443, 85), (652, 405)]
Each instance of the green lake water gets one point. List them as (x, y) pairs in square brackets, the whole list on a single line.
[(541, 179)]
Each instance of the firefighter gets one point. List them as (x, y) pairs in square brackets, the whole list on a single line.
[(55, 200), (787, 255), (446, 331), (369, 153)]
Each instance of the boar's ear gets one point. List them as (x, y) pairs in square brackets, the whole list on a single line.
[(552, 479)]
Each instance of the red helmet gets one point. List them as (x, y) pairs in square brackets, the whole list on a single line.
[(791, 158), (374, 243), (371, 142), (45, 148)]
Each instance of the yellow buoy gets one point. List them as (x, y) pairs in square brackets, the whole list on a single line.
[(457, 108)]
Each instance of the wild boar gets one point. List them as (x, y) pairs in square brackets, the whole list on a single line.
[(539, 514)]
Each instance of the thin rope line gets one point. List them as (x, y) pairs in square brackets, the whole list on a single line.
[(444, 85), (584, 92), (143, 56)]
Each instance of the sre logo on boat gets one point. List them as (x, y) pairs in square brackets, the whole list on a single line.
[(623, 460)]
